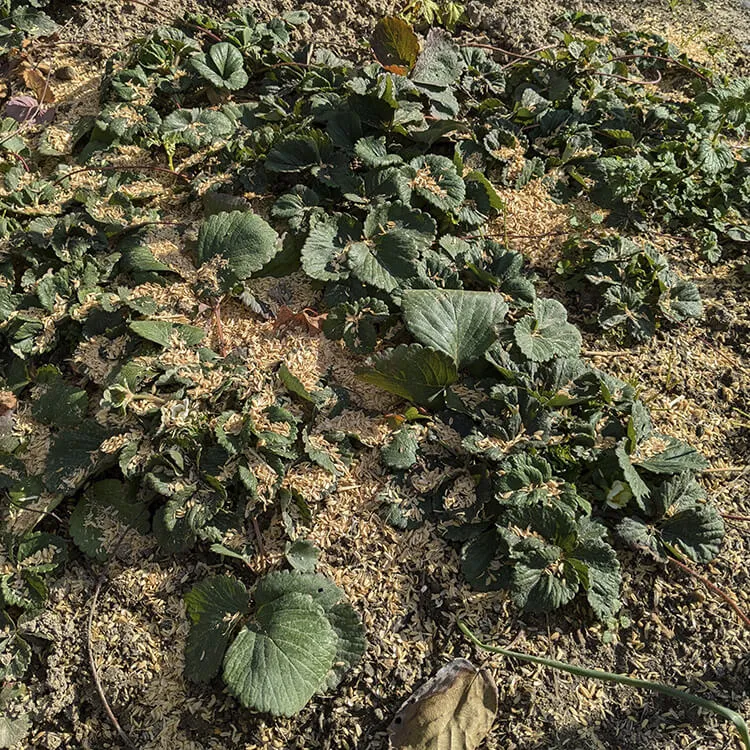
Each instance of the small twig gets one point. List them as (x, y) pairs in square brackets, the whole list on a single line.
[(662, 59), (732, 517), (122, 168), (639, 81), (216, 307), (725, 469), (517, 55), (92, 661), (258, 537), (713, 588), (605, 352)]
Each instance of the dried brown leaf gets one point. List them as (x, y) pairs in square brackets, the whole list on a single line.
[(454, 710)]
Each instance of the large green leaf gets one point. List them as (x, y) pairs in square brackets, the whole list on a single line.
[(440, 63), (60, 404), (223, 67), (696, 531), (277, 664), (241, 239), (196, 127), (462, 324), (674, 459), (541, 580), (280, 583), (394, 42), (599, 570), (394, 234), (327, 245), (215, 607), (414, 372), (546, 332)]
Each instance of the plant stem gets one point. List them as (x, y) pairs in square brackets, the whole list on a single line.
[(620, 679), (713, 588), (223, 348)]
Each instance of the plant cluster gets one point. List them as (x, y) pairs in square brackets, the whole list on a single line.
[(632, 285), (383, 177)]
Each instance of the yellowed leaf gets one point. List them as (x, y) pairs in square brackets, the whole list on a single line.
[(454, 710)]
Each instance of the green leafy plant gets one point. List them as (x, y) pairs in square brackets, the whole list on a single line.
[(633, 285), (302, 638)]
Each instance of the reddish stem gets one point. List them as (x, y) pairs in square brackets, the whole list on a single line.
[(223, 348), (714, 588)]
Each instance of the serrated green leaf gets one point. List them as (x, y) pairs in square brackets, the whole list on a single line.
[(373, 152), (60, 404), (327, 245), (223, 67), (302, 555), (401, 451), (196, 127), (278, 664), (215, 606), (13, 730), (599, 570), (351, 643), (413, 372), (459, 323), (440, 63), (674, 459), (546, 333), (541, 581), (280, 583), (241, 241), (696, 531)]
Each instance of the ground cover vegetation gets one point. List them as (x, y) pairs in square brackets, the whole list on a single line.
[(380, 182)]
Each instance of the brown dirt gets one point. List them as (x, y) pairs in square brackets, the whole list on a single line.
[(405, 584)]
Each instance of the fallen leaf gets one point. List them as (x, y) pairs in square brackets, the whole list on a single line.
[(38, 84), (454, 710), (307, 319)]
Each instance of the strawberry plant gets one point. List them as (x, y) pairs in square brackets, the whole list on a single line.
[(378, 182), (302, 638)]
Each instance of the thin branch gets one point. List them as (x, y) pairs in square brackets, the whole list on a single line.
[(92, 661), (641, 82), (216, 307), (713, 588), (605, 352), (517, 55), (122, 168), (732, 517), (662, 59)]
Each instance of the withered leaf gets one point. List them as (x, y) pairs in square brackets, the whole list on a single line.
[(38, 84), (454, 710)]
